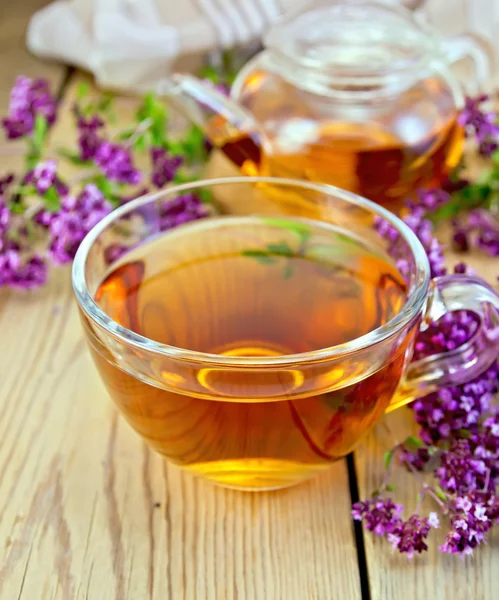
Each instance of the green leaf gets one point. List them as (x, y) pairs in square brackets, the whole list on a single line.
[(228, 64), (193, 146), (16, 208), (389, 487), (39, 131), (325, 253), (105, 103), (413, 442), (82, 90), (114, 200), (51, 200), (148, 104), (205, 195), (472, 196), (209, 72), (184, 177), (125, 135), (281, 249), (30, 228), (440, 493), (26, 190), (388, 457), (260, 255), (73, 157), (104, 185), (140, 143), (350, 241), (174, 147), (154, 109), (88, 110), (301, 230)]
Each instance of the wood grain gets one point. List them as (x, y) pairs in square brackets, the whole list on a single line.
[(88, 512), (14, 57), (432, 575)]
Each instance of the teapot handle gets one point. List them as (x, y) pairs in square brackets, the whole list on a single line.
[(474, 47)]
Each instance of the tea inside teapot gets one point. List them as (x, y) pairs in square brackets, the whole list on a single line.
[(359, 95)]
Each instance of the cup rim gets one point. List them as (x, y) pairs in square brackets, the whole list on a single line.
[(410, 310)]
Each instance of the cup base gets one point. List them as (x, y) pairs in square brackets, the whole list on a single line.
[(256, 475)]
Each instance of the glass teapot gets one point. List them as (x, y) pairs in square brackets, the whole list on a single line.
[(358, 94)]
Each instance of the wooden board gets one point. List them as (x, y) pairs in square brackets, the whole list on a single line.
[(393, 576), (14, 57), (87, 511), (432, 575)]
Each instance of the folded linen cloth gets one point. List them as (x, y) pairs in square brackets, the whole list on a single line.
[(132, 44)]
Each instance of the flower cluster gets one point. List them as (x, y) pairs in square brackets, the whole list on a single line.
[(180, 210), (75, 219), (416, 218), (478, 228), (480, 124), (458, 441), (39, 209), (89, 138), (165, 166), (443, 416), (18, 269), (448, 333), (21, 273), (116, 163), (28, 99), (44, 177), (381, 516), (471, 518)]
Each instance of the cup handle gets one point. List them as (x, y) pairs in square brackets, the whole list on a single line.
[(470, 45), (447, 294)]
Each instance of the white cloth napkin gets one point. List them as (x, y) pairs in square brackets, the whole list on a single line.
[(134, 43)]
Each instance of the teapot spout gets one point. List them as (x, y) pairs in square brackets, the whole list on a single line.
[(226, 125)]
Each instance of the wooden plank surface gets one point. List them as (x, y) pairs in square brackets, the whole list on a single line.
[(14, 58), (432, 575), (88, 512)]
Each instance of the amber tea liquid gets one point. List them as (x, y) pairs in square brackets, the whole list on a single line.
[(383, 155), (252, 287)]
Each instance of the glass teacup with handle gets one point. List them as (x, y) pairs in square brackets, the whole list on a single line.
[(254, 346)]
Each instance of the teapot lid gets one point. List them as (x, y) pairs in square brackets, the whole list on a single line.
[(356, 38)]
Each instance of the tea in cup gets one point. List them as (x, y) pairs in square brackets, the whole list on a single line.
[(254, 348)]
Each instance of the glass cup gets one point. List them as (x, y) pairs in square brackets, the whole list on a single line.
[(270, 417)]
